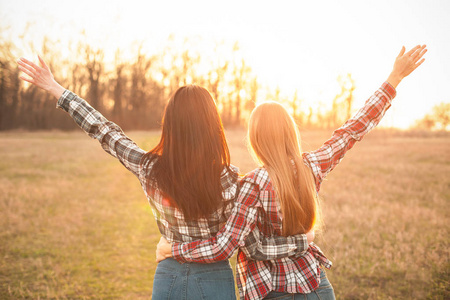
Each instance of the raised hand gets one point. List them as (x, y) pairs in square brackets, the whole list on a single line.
[(40, 76), (405, 63)]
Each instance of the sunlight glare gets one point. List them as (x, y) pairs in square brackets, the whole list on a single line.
[(294, 45)]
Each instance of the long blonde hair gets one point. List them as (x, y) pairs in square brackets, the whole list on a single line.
[(275, 142)]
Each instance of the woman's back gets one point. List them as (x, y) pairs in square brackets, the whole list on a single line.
[(172, 222), (290, 274)]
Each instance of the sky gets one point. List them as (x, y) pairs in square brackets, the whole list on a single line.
[(293, 45)]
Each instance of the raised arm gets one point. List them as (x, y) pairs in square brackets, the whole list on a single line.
[(325, 159), (240, 230), (110, 136), (259, 247)]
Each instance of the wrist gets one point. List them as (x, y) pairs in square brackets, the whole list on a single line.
[(168, 250), (394, 79), (56, 90), (176, 252)]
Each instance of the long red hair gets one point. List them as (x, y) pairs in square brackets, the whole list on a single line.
[(191, 154)]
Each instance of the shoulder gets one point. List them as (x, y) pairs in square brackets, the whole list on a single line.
[(229, 181), (259, 177), (229, 175), (234, 169), (312, 160), (148, 161), (148, 166)]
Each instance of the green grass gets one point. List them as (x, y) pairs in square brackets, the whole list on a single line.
[(75, 223)]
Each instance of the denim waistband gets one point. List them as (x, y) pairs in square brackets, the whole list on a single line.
[(192, 268)]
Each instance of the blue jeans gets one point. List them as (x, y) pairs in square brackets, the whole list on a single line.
[(193, 281), (323, 292)]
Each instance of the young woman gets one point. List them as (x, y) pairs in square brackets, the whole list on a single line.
[(187, 179), (280, 197)]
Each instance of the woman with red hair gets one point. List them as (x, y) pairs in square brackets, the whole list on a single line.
[(187, 178)]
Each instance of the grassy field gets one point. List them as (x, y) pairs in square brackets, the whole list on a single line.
[(74, 224)]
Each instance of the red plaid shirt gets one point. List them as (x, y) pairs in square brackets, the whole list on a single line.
[(257, 210), (171, 221)]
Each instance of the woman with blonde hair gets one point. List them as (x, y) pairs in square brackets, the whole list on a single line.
[(280, 197), (187, 178)]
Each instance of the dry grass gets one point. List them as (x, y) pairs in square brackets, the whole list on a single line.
[(75, 224)]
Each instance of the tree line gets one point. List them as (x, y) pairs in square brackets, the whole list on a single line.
[(437, 119), (132, 89)]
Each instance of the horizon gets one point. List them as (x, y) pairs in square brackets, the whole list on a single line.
[(288, 46)]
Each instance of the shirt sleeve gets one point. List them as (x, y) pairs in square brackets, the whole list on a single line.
[(240, 226), (323, 160), (110, 136), (258, 247)]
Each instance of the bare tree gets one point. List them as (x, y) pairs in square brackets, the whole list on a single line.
[(295, 105), (134, 93), (94, 67), (252, 96), (342, 103), (216, 81), (119, 85)]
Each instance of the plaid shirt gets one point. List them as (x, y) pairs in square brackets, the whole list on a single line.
[(170, 220), (257, 209)]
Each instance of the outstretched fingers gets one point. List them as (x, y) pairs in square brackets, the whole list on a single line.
[(26, 71), (30, 80), (407, 62), (420, 53), (416, 56), (416, 52), (401, 52), (410, 52), (419, 63), (42, 62), (28, 63), (41, 77)]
